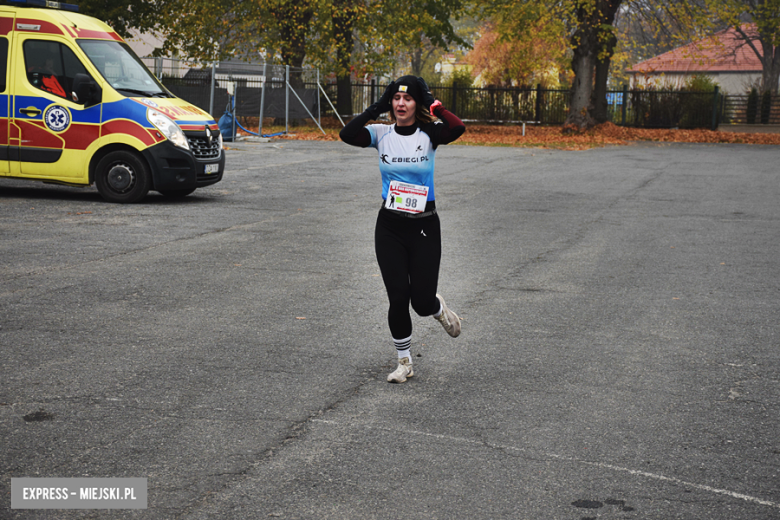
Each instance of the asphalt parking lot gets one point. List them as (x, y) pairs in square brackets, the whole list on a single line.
[(619, 358)]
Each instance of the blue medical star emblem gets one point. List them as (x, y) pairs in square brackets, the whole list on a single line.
[(57, 118)]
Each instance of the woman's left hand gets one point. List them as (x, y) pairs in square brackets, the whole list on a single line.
[(425, 93)]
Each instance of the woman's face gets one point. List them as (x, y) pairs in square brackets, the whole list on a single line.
[(404, 108)]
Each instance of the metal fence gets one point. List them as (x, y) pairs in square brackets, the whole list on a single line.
[(665, 109), (649, 109), (762, 111), (265, 85), (482, 104), (259, 90), (505, 104)]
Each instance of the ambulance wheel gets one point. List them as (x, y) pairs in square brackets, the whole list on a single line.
[(176, 194), (122, 176)]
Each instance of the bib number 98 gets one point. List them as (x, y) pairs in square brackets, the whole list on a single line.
[(408, 198)]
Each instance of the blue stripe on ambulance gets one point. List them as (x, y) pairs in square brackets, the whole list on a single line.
[(200, 122), (21, 102), (126, 109), (86, 115)]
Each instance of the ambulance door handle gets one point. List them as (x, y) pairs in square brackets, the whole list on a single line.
[(31, 111)]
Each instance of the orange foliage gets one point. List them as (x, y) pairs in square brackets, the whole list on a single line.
[(528, 59), (559, 138), (601, 135)]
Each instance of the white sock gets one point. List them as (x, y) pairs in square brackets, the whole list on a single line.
[(403, 347)]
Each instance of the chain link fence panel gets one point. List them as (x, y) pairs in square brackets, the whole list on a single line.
[(206, 87)]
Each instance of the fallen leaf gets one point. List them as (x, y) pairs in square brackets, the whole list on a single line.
[(555, 136)]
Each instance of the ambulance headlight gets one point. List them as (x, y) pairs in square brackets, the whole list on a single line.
[(168, 128)]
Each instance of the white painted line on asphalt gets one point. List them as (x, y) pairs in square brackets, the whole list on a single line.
[(612, 467), (682, 482)]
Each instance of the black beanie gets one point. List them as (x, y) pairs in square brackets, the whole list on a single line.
[(408, 85)]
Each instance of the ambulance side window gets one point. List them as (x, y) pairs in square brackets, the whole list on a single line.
[(51, 66), (3, 59)]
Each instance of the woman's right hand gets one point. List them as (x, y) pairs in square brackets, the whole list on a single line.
[(383, 104)]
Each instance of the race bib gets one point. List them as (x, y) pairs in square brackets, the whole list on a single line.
[(408, 198)]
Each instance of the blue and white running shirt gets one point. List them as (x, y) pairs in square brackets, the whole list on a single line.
[(404, 158)]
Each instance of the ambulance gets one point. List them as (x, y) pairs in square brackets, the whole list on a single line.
[(78, 107)]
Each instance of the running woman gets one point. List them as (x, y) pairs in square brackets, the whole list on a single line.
[(408, 232)]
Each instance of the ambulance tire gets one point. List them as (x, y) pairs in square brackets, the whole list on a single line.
[(176, 194), (122, 176)]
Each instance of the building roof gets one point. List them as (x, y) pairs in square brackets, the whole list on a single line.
[(725, 51)]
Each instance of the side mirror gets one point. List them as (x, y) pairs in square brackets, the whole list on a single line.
[(85, 91)]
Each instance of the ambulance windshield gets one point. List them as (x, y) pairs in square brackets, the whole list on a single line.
[(122, 69)]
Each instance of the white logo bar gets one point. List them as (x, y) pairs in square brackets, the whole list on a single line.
[(78, 493)]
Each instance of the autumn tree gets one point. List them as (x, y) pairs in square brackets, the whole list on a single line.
[(366, 34), (534, 57), (341, 36), (422, 28), (347, 17), (605, 42), (211, 30), (289, 20), (292, 32), (761, 35), (669, 20), (420, 50), (647, 28), (652, 27), (586, 25)]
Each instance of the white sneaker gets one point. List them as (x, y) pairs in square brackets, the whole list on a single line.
[(403, 371), (448, 319)]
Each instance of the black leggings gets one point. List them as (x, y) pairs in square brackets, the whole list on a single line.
[(408, 251)]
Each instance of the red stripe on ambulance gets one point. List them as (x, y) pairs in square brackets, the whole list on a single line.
[(70, 31), (99, 35), (6, 25), (80, 136), (35, 132), (123, 126), (46, 27)]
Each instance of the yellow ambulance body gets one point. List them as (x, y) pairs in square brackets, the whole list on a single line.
[(78, 107)]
